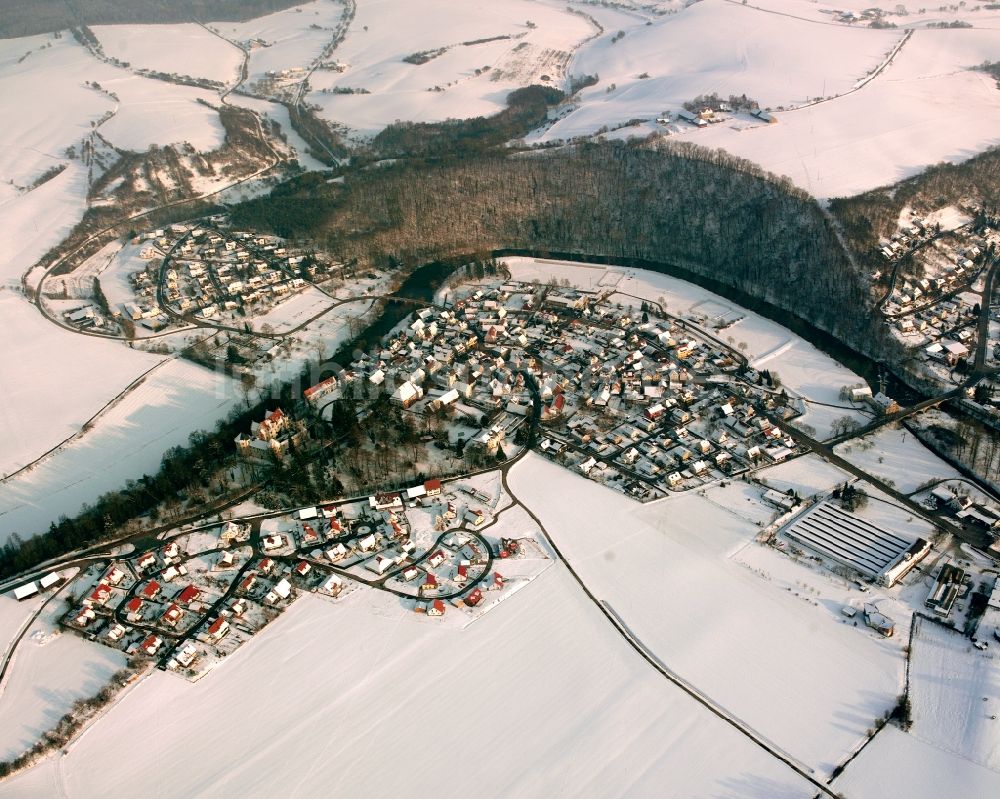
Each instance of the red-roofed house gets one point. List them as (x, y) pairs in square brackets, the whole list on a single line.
[(302, 568), (436, 559), (320, 390), (248, 582), (151, 590), (462, 574), (100, 595), (146, 561), (309, 536), (430, 583), (497, 583), (172, 615), (188, 595), (151, 644), (436, 608), (218, 629), (474, 598), (84, 617), (134, 609), (432, 487)]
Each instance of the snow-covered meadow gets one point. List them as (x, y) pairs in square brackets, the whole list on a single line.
[(125, 442), (185, 49), (955, 690), (331, 691), (789, 669), (49, 670), (41, 367), (894, 454), (721, 47), (537, 40), (929, 105)]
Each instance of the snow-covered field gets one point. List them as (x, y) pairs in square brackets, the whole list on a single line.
[(286, 40), (788, 668), (721, 47), (126, 442), (41, 125), (45, 678), (385, 32), (955, 690), (806, 476), (333, 692), (13, 615), (897, 764), (186, 49), (928, 106), (49, 381), (894, 454)]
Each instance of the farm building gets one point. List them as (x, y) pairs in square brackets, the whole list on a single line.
[(856, 543)]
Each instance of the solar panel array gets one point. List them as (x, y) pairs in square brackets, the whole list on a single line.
[(848, 539)]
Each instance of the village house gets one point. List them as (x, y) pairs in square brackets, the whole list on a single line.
[(151, 644), (84, 617), (172, 615), (99, 596), (436, 608), (218, 629), (134, 609)]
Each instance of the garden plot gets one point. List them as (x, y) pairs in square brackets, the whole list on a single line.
[(294, 312), (664, 569), (895, 455), (804, 370), (126, 442), (13, 615), (388, 678), (807, 476), (186, 49)]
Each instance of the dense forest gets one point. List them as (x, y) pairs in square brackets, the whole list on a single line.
[(705, 211), (28, 17)]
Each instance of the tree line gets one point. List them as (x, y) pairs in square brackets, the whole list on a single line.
[(706, 211)]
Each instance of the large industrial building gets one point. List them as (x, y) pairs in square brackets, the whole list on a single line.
[(878, 554)]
